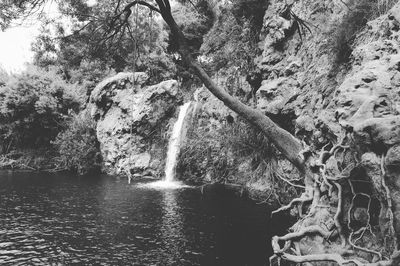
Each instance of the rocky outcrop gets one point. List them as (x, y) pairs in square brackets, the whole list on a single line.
[(211, 111), (133, 122), (303, 74), (367, 101), (335, 81)]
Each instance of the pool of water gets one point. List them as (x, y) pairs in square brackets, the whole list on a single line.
[(48, 219)]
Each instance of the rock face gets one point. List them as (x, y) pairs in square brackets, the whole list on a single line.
[(133, 122), (340, 79), (338, 87)]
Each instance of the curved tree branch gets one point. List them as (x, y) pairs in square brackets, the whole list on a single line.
[(283, 140)]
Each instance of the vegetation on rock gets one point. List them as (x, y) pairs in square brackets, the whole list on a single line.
[(235, 153)]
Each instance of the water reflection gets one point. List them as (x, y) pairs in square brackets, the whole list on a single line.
[(171, 229), (63, 220)]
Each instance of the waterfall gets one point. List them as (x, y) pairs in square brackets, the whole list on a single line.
[(174, 147), (175, 144)]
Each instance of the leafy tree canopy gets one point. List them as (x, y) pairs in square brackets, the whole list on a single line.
[(140, 45), (33, 106)]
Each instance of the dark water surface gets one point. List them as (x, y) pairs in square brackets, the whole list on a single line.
[(62, 220)]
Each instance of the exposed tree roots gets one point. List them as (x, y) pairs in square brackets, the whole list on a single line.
[(303, 198), (388, 197), (348, 238), (335, 258)]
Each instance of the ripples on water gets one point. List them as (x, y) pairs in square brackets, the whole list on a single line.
[(62, 220)]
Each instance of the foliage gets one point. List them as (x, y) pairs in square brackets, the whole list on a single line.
[(234, 153), (89, 38), (32, 107), (195, 18), (77, 145), (217, 150), (233, 39), (3, 76), (29, 159), (359, 13), (88, 75), (12, 10)]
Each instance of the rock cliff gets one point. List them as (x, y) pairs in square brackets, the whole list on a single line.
[(330, 76), (331, 68), (133, 122)]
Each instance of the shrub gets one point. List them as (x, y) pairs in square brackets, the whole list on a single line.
[(77, 145), (219, 152), (237, 153), (88, 74), (33, 106), (359, 13)]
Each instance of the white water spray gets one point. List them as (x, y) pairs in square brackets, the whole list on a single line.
[(174, 147)]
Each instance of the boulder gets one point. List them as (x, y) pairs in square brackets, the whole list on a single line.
[(132, 122)]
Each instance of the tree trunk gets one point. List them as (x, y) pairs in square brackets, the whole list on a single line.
[(282, 139)]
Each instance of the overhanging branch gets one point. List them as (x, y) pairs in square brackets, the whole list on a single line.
[(143, 3)]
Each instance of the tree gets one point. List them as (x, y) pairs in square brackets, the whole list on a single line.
[(33, 107), (78, 147), (285, 142), (290, 148), (118, 25), (194, 19), (141, 45), (3, 76)]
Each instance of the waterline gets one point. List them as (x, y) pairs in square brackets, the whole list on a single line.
[(163, 185)]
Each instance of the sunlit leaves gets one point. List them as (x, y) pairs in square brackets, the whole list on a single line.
[(11, 10)]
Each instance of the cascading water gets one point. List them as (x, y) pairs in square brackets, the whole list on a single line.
[(175, 143), (174, 146)]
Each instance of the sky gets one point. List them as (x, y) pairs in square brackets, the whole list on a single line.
[(15, 47), (15, 42)]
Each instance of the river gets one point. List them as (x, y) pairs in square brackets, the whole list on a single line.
[(57, 219)]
